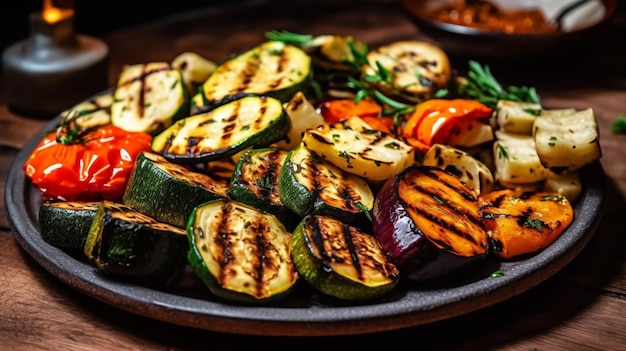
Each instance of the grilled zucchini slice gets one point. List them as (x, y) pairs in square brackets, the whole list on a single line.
[(149, 97), (272, 68), (340, 260), (168, 192), (255, 182), (310, 185), (418, 68), (66, 224), (566, 143), (129, 245), (358, 149), (250, 122), (241, 253), (93, 112)]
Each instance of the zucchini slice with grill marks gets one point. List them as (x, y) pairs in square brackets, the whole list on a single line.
[(241, 253), (66, 224), (93, 112), (418, 68), (255, 182), (340, 260), (272, 68), (168, 192), (149, 97), (310, 185), (132, 246), (250, 122)]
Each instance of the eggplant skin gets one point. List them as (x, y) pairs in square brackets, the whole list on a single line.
[(418, 257)]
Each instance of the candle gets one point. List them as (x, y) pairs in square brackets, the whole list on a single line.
[(54, 68)]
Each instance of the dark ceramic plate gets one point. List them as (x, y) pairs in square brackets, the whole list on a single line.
[(472, 42), (305, 312)]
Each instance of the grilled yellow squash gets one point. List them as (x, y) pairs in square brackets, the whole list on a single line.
[(356, 148), (521, 222)]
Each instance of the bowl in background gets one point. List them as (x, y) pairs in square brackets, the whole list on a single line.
[(467, 41)]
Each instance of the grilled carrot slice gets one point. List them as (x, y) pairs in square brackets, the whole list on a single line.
[(521, 223)]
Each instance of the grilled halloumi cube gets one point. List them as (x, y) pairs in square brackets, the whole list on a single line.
[(567, 142), (566, 184), (468, 169), (356, 148), (516, 159), (303, 116), (516, 117)]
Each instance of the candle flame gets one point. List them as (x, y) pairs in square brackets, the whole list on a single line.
[(53, 14)]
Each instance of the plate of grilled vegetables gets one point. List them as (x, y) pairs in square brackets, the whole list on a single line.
[(308, 186)]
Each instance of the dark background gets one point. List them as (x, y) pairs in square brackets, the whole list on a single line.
[(96, 17)]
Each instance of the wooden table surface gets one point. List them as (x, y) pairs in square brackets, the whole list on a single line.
[(582, 307)]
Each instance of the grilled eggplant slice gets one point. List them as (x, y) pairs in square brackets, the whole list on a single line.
[(428, 222), (342, 261), (250, 122), (418, 68), (241, 253), (131, 246), (149, 98), (371, 154), (272, 68), (168, 192), (521, 223), (310, 185), (255, 182)]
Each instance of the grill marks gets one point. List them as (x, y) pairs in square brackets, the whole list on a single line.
[(444, 210), (141, 78), (244, 249), (342, 248)]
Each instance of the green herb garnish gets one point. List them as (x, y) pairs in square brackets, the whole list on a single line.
[(619, 125), (483, 87)]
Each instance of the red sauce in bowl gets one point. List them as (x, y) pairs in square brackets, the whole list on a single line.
[(487, 16)]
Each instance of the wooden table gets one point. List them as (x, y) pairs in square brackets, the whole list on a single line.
[(582, 307)]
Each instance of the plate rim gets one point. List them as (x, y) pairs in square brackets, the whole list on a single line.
[(410, 310)]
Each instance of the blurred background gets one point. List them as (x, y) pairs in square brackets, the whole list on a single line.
[(95, 17)]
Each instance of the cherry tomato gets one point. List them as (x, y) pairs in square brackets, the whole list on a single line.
[(72, 164)]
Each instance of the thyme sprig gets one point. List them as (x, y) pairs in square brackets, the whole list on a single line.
[(483, 87)]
